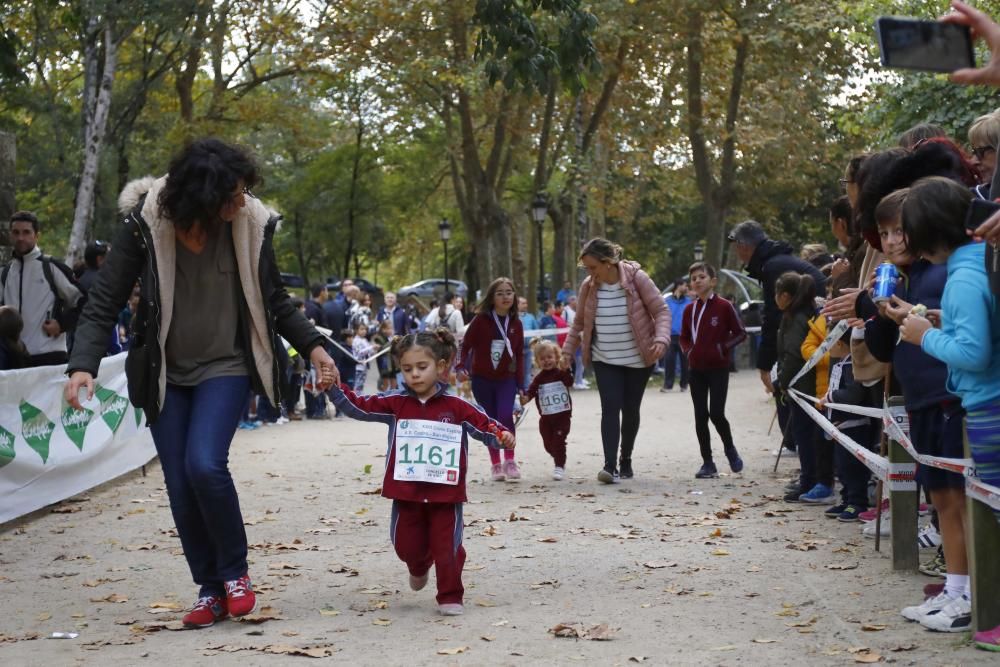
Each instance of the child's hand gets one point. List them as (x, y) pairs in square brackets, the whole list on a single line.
[(524, 399), (507, 440), (934, 316), (896, 309), (913, 329)]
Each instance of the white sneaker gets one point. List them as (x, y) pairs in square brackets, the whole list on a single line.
[(558, 473), (929, 537), (281, 420), (450, 609), (581, 385), (927, 608), (869, 529), (956, 616)]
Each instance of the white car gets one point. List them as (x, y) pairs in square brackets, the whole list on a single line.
[(432, 288)]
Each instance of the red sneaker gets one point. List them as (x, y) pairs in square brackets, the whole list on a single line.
[(206, 611), (240, 596)]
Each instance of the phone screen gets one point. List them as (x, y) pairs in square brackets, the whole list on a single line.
[(930, 46)]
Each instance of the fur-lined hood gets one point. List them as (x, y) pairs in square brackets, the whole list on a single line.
[(134, 191)]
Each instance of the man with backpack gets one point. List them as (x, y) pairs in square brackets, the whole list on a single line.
[(43, 290)]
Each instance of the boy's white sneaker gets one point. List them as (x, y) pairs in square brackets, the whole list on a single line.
[(956, 616), (558, 473), (926, 609)]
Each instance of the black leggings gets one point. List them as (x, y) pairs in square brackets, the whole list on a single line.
[(621, 389), (712, 384)]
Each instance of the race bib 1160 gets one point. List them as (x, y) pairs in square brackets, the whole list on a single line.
[(553, 398), (428, 451)]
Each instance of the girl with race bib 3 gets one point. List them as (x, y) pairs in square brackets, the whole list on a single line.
[(550, 390), (427, 460), (492, 353)]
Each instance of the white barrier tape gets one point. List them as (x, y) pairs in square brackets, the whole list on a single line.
[(531, 333), (983, 492), (325, 333), (875, 413), (821, 351), (895, 430), (899, 477)]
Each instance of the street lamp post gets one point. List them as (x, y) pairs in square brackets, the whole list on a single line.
[(699, 253), (420, 244), (539, 210), (445, 229)]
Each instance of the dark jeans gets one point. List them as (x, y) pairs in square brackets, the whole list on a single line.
[(854, 474), (711, 385), (192, 438), (815, 457), (621, 389), (670, 364)]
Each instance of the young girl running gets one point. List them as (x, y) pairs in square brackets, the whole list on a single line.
[(427, 460), (550, 390), (387, 366), (710, 330), (967, 340), (361, 348), (492, 353)]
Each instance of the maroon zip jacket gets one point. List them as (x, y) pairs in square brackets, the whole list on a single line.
[(474, 352), (390, 407), (544, 377), (719, 331)]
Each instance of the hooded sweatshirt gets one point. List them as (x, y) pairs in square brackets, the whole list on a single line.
[(969, 338)]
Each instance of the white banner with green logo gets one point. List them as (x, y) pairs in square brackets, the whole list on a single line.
[(49, 451)]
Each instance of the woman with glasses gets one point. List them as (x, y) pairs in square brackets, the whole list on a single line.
[(623, 325), (206, 331), (984, 135)]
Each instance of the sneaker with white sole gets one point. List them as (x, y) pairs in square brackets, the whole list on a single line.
[(936, 566), (927, 608), (869, 529), (558, 473), (451, 609), (929, 537), (496, 472), (956, 616), (511, 470)]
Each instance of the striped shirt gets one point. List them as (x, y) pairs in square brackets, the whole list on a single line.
[(614, 343)]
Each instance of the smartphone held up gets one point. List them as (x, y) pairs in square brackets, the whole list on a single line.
[(929, 46)]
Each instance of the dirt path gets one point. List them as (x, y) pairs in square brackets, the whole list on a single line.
[(685, 571)]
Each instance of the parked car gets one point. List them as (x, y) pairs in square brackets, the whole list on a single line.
[(432, 288), (292, 280), (378, 297)]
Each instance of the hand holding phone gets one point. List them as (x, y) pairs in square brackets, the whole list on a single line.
[(980, 211), (930, 46)]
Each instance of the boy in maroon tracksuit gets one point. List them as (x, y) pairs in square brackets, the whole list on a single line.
[(550, 390), (427, 460), (710, 330)]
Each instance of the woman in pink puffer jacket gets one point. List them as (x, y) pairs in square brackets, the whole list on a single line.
[(623, 325)]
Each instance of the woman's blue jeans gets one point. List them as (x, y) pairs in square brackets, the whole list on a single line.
[(192, 437)]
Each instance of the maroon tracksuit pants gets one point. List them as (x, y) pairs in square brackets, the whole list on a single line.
[(554, 429), (426, 534)]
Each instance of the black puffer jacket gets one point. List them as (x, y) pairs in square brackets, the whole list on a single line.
[(138, 250), (770, 259)]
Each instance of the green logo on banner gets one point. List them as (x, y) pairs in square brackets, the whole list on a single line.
[(138, 417), (75, 423), (113, 407), (36, 429), (6, 446)]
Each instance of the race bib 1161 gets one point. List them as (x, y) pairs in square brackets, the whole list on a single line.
[(428, 451)]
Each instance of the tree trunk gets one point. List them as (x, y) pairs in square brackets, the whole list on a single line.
[(8, 201), (94, 129), (300, 250)]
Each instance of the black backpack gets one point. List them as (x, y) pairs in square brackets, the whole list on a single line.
[(66, 317)]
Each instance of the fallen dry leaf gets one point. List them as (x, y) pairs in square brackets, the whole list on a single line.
[(842, 566), (765, 641), (282, 566), (803, 624), (113, 598), (343, 569), (44, 616), (140, 547), (659, 564), (329, 611), (453, 651), (599, 632), (382, 621), (903, 647), (484, 603), (867, 657), (263, 615), (547, 540), (720, 552), (637, 658), (873, 627)]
